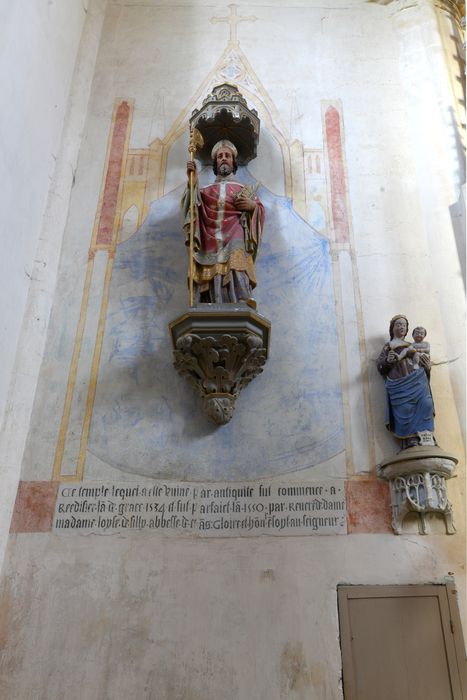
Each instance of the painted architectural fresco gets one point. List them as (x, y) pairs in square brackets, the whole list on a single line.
[(147, 420), (140, 417), (125, 407)]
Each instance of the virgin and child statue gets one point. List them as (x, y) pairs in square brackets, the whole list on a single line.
[(406, 369)]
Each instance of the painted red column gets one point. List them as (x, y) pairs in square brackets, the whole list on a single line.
[(340, 219), (114, 173)]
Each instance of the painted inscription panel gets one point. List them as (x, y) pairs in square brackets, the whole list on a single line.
[(205, 509)]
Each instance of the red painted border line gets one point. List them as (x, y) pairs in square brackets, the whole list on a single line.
[(34, 506), (113, 176), (368, 507)]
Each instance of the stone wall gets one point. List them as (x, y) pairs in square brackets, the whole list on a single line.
[(358, 170)]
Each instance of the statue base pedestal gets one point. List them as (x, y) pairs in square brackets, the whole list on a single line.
[(417, 480), (220, 348)]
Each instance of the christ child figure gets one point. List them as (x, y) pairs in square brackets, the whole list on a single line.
[(419, 349)]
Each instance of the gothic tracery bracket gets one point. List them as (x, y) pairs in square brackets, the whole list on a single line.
[(417, 481)]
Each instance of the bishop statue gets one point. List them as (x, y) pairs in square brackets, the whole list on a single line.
[(229, 219)]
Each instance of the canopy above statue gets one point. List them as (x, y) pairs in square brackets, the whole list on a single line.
[(225, 115)]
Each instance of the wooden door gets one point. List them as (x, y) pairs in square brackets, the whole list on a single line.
[(401, 643)]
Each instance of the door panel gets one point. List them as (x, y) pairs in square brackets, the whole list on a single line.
[(397, 642)]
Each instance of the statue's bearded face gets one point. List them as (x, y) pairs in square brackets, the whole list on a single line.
[(224, 161)]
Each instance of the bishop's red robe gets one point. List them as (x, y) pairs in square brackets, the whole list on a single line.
[(226, 240)]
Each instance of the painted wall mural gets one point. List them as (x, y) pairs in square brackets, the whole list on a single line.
[(125, 407), (146, 420)]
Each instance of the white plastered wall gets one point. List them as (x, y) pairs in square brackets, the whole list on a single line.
[(44, 100)]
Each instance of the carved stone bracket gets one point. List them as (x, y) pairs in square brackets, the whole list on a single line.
[(417, 480), (220, 348)]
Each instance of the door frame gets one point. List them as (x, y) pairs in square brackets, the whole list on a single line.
[(450, 621)]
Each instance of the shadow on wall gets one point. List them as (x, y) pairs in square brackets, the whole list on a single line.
[(457, 210)]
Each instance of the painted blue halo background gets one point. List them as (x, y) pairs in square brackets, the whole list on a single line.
[(147, 420)]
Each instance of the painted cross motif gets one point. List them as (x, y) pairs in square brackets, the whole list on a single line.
[(233, 19)]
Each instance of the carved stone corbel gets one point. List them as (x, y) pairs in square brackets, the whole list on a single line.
[(220, 349), (417, 481)]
